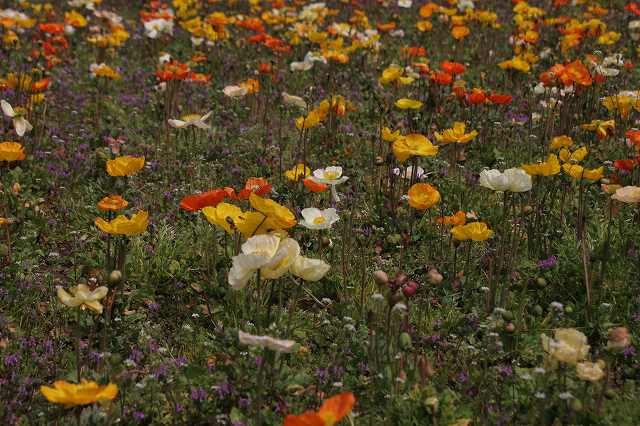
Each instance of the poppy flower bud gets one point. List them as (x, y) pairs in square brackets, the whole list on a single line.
[(401, 278), (381, 278), (425, 368), (115, 277), (410, 289), (325, 241), (379, 161), (395, 298), (527, 209), (510, 328), (16, 188), (434, 276), (618, 338), (405, 341)]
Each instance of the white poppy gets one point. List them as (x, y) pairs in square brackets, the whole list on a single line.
[(288, 99), (20, 123), (405, 3), (257, 252), (627, 194), (288, 251), (309, 269), (156, 27), (196, 120), (331, 175), (301, 66), (514, 180), (235, 91), (268, 342), (314, 218)]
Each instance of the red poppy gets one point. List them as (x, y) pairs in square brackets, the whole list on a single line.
[(633, 8), (259, 186), (443, 78), (633, 137), (173, 70), (253, 24), (453, 68), (258, 38), (196, 202), (500, 99), (40, 85), (264, 68), (414, 51), (626, 165), (52, 28), (476, 96)]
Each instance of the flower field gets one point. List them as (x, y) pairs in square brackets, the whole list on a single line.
[(356, 212)]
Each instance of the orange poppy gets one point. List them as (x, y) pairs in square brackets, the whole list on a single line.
[(253, 24), (264, 68), (443, 78), (476, 96), (453, 68), (500, 99), (330, 413), (196, 202), (52, 28), (634, 137), (173, 70), (112, 203), (314, 186), (258, 186), (385, 28), (459, 218)]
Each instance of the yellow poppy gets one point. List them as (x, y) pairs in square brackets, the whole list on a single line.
[(84, 393), (456, 134), (282, 217), (547, 168), (575, 156), (11, 151), (561, 142), (405, 103), (423, 196), (602, 128), (122, 225), (476, 231), (578, 172), (413, 145), (388, 135), (125, 166), (298, 171), (221, 214)]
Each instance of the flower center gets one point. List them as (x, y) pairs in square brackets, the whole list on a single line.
[(331, 175), (319, 220)]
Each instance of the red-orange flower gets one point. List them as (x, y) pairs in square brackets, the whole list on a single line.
[(634, 137), (500, 99), (196, 202), (453, 68), (626, 165), (476, 96), (574, 72), (112, 203), (314, 186), (173, 70), (330, 413), (52, 28), (633, 8), (443, 78), (259, 186)]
